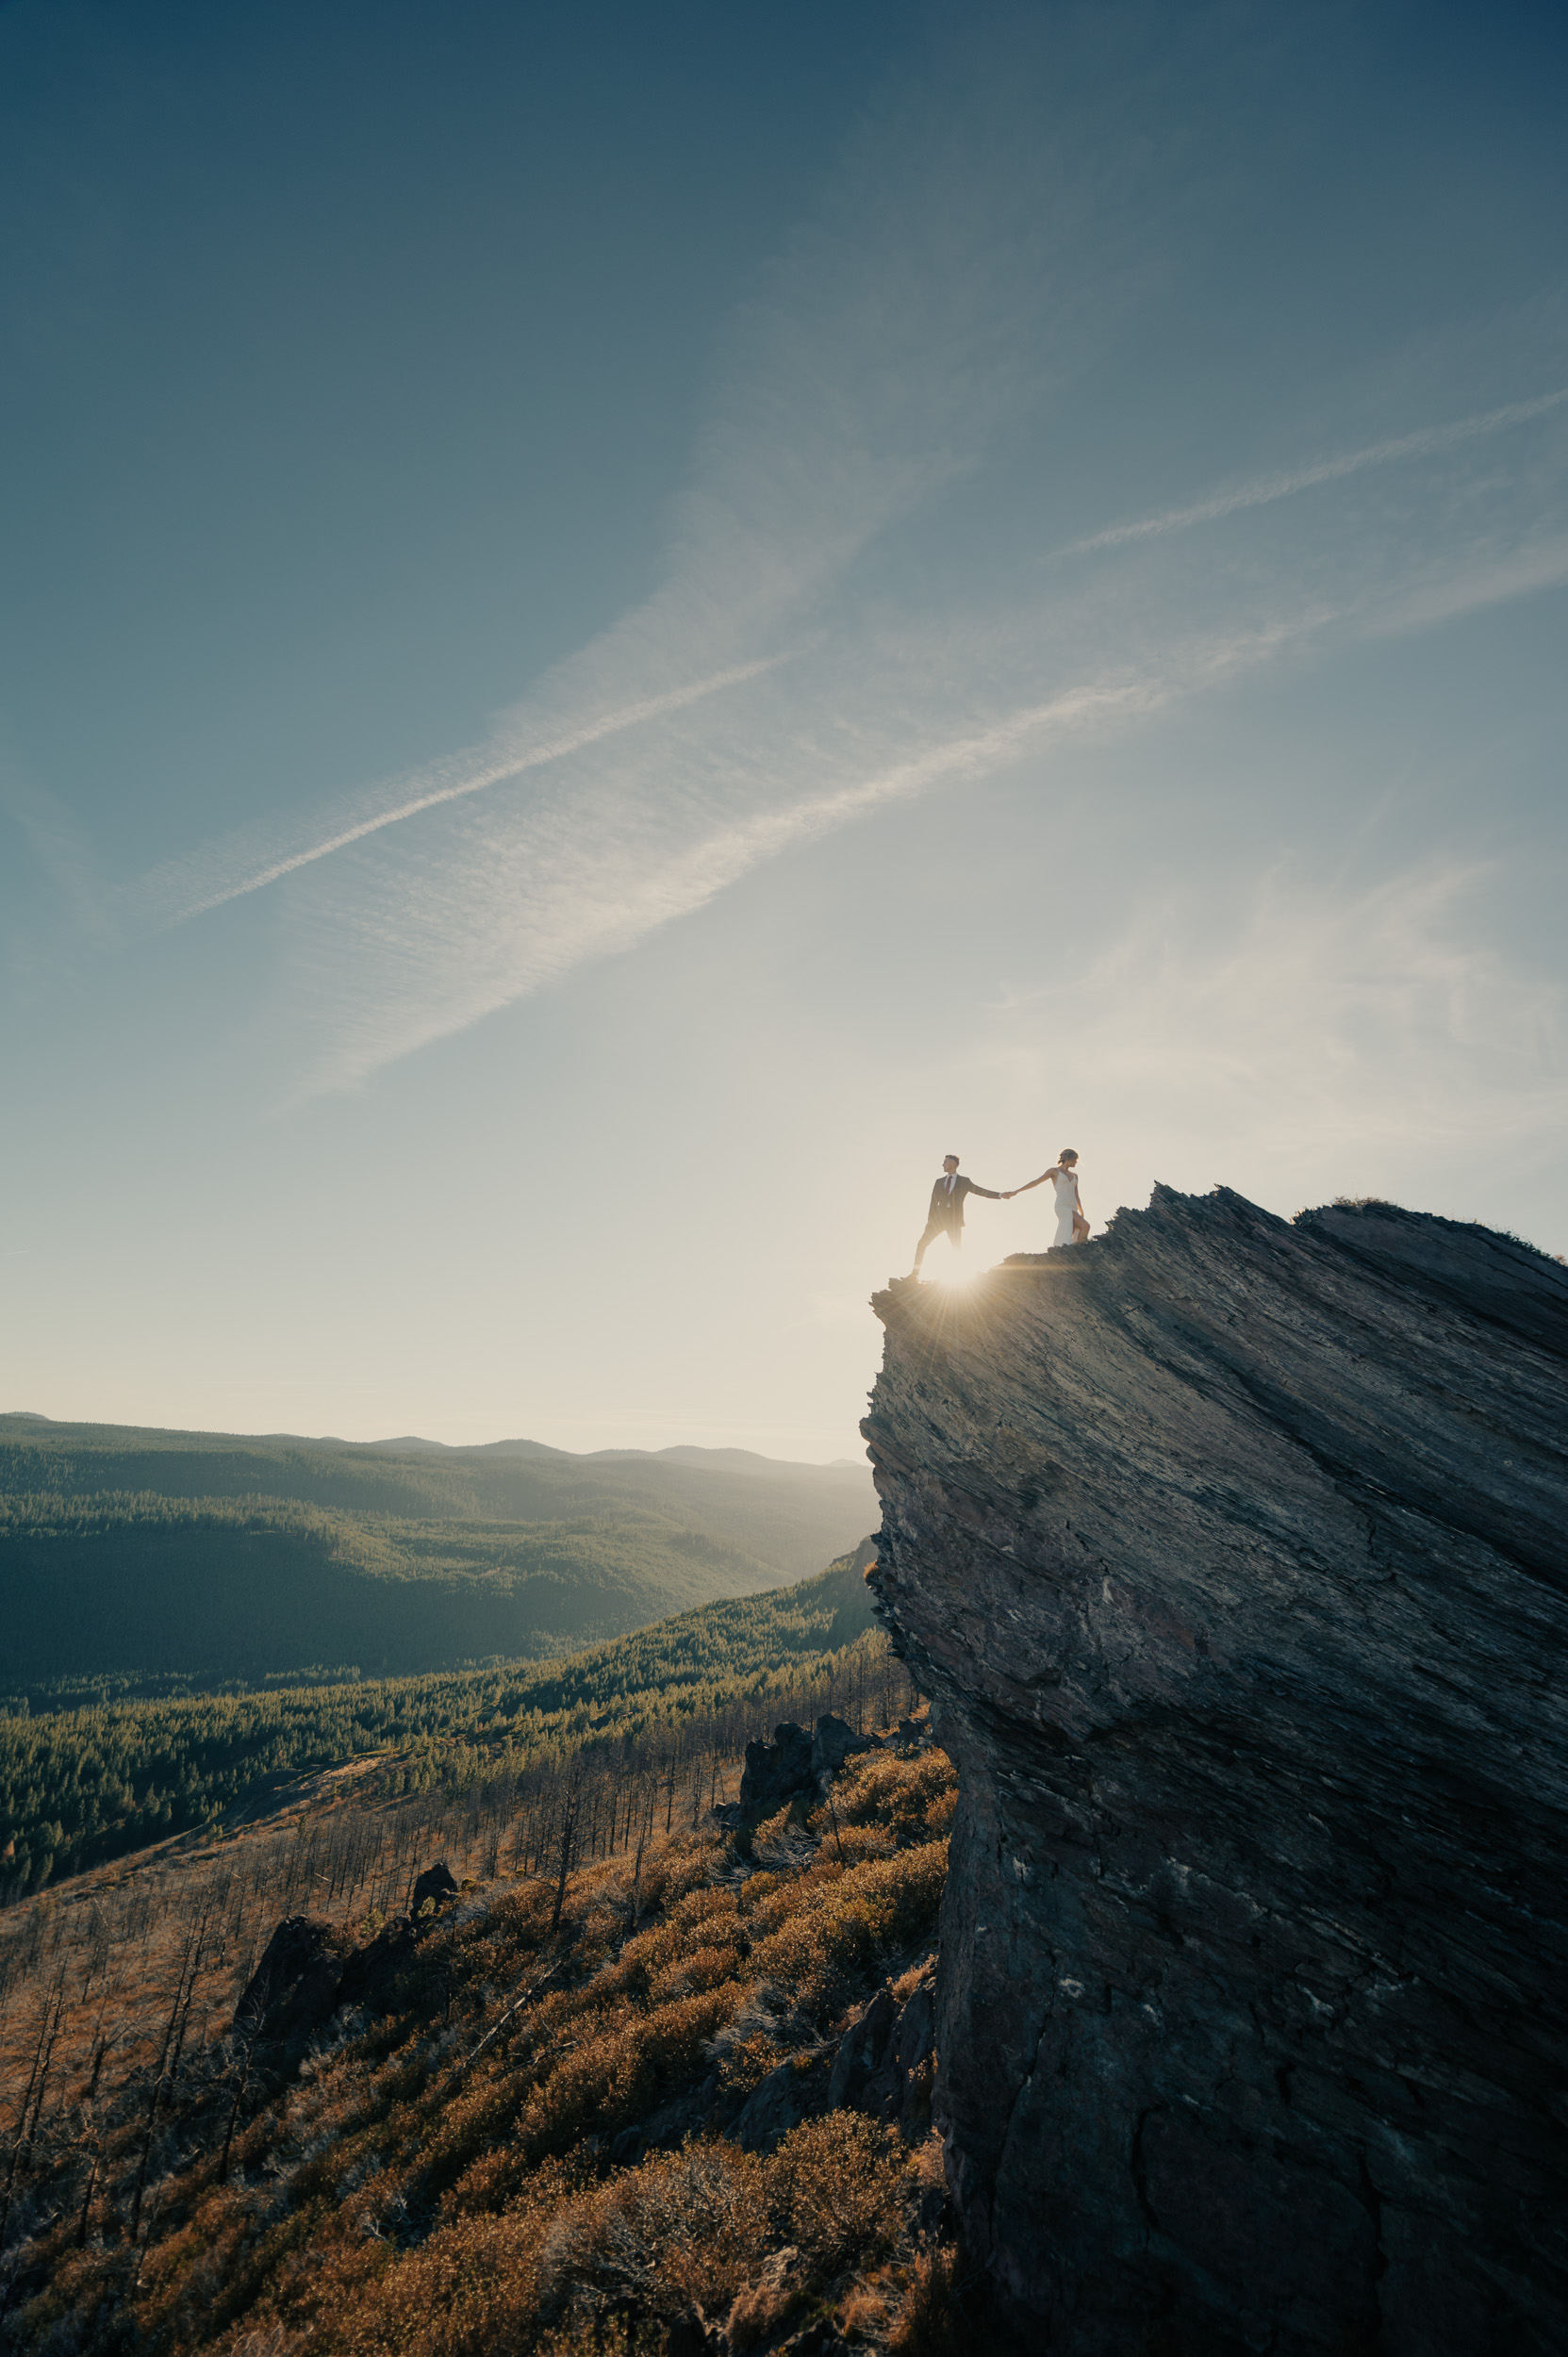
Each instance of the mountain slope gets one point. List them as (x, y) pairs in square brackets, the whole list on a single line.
[(81, 1786), (208, 1557)]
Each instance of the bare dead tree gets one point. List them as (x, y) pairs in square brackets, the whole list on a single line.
[(645, 1833), (32, 2098), (247, 2036), (172, 2029), (571, 1805), (91, 2130), (669, 1784)]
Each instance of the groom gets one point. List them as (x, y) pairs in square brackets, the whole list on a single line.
[(947, 1208)]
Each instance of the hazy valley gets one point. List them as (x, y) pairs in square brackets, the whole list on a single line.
[(135, 1561)]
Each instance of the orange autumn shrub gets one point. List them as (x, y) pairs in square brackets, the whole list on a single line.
[(837, 2180), (824, 1937), (614, 2078), (687, 2226), (912, 1798)]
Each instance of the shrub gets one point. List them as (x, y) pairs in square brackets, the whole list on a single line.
[(615, 2077), (855, 1845), (928, 2322), (827, 1942), (836, 2184), (881, 1788), (745, 2065), (440, 2183), (701, 1967), (687, 2226)]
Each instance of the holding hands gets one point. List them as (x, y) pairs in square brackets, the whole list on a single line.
[(1072, 1225)]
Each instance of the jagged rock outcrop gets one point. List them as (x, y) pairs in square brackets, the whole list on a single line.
[(832, 1742), (797, 1760), (433, 1891), (797, 2090), (371, 1973), (294, 1987), (884, 2062), (776, 1772), (881, 2065), (311, 1968), (1232, 1554)]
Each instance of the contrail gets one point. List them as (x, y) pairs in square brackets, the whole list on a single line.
[(1279, 487), (508, 764)]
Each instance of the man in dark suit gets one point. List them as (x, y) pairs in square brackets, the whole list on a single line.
[(947, 1208)]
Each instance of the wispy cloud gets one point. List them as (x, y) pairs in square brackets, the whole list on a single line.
[(804, 664), (1426, 442), (447, 781), (528, 896)]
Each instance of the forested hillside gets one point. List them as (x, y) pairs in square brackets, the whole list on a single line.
[(132, 1560), (80, 1787)]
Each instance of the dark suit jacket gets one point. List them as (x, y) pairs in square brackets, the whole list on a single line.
[(946, 1211)]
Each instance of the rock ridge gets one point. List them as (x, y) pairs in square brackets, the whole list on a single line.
[(1230, 1550)]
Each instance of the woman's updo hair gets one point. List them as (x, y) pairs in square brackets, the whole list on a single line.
[(1068, 1154)]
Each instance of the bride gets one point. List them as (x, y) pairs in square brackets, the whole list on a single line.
[(1072, 1226)]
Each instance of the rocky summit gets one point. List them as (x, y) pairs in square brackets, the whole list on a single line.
[(1232, 1552)]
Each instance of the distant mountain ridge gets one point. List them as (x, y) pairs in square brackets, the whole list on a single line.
[(130, 1552), (414, 1443)]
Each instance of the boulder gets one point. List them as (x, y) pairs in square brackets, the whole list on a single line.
[(832, 1742), (370, 1973), (884, 2061), (694, 2333), (797, 2090), (776, 1772), (294, 1989), (433, 1888)]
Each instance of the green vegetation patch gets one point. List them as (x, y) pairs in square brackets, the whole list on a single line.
[(141, 1560), (79, 1786)]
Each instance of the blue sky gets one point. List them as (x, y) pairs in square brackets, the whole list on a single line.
[(619, 629)]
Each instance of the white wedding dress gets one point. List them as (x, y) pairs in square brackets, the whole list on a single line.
[(1066, 1184)]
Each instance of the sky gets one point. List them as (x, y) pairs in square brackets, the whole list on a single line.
[(618, 628)]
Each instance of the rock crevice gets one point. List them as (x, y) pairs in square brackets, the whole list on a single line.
[(1232, 1552)]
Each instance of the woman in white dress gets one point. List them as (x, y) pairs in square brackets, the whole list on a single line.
[(1072, 1225)]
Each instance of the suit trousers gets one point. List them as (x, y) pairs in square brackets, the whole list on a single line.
[(953, 1229)]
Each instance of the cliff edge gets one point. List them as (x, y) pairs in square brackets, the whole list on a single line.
[(1232, 1554)]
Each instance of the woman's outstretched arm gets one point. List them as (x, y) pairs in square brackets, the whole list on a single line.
[(1032, 1183)]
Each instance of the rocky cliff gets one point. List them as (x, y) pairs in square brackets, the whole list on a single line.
[(1232, 1554)]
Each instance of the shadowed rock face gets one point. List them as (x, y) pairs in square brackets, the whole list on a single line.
[(294, 1987), (776, 1772), (1232, 1552)]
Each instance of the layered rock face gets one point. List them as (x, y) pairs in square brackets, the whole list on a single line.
[(1234, 1555)]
